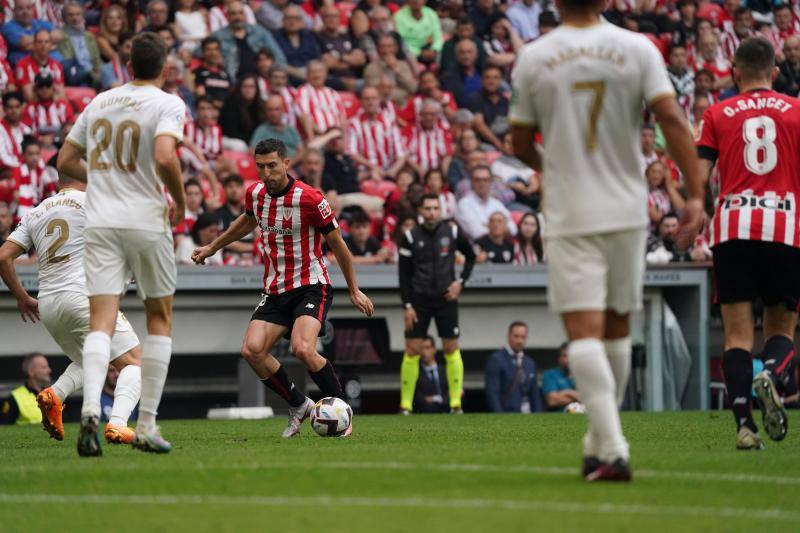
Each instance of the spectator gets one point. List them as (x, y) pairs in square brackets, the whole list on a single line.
[(107, 396), (502, 45), (421, 30), (7, 81), (240, 41), (490, 108), (547, 23), (524, 16), (13, 130), (465, 29), (483, 13), (82, 61), (701, 103), (788, 81), (431, 392), (434, 183), (704, 84), (517, 176), (46, 115), (511, 383), (6, 216), (365, 248), (664, 195), (495, 246), (191, 24), (39, 62), (785, 21), (320, 107), (270, 15), (466, 145), (386, 87), (463, 79), (210, 78), (476, 207), (21, 407), (340, 52), (264, 64), (20, 31), (429, 88), (648, 140), (204, 230), (662, 249), (279, 85), (241, 114), (430, 145), (340, 169), (743, 25), (381, 23), (115, 72), (299, 45), (195, 206), (205, 133), (113, 23), (528, 249), (218, 15), (375, 144), (157, 15), (681, 76), (175, 82), (558, 387), (276, 128), (684, 30), (387, 64), (711, 59), (134, 19), (34, 180)]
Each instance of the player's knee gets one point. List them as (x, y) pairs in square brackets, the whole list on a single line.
[(303, 350), (449, 345), (131, 357), (250, 352)]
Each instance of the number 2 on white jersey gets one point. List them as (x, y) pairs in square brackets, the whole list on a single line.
[(755, 145)]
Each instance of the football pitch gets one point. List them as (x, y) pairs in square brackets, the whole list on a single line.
[(496, 473)]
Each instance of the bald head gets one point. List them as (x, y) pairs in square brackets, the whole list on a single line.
[(466, 53), (791, 49), (235, 13)]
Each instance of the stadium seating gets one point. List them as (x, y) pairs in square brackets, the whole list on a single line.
[(79, 97), (351, 103), (244, 162)]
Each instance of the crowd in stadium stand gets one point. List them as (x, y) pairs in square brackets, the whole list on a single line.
[(377, 101)]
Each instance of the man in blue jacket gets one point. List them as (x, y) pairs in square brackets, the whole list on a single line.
[(511, 385), (240, 43)]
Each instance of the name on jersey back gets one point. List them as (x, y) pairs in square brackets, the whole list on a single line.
[(755, 104), (121, 101), (592, 52)]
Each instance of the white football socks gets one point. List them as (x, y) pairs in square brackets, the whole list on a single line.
[(156, 353), (619, 357), (126, 394), (68, 382), (96, 353), (595, 382)]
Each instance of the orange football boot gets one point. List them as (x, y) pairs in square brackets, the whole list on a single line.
[(115, 434), (51, 408)]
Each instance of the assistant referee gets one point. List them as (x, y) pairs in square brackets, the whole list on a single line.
[(430, 289)]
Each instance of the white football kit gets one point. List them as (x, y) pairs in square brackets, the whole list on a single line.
[(55, 228), (584, 88), (127, 226)]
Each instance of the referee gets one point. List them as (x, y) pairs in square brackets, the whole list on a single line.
[(430, 289)]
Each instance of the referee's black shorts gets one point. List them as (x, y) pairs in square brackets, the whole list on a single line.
[(444, 312), (283, 309), (745, 271)]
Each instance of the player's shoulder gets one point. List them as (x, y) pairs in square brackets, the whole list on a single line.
[(255, 187), (309, 194)]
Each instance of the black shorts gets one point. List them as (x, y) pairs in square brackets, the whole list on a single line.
[(283, 309), (746, 271), (443, 312)]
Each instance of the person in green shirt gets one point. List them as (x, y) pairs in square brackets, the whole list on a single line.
[(421, 30), (275, 128)]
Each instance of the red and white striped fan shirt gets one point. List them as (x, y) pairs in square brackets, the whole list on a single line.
[(324, 106), (290, 110), (34, 185), (293, 224), (208, 139), (6, 75), (411, 112), (389, 112), (11, 143), (731, 41), (375, 139), (47, 116), (429, 147), (28, 68)]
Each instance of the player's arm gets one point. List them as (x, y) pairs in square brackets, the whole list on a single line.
[(345, 261), (168, 168), (70, 161), (27, 305), (463, 246), (522, 139), (240, 228)]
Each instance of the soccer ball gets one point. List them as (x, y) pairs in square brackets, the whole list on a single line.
[(331, 417), (575, 408)]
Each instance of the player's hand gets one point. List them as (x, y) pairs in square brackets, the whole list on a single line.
[(454, 290), (362, 302), (691, 223), (29, 309), (200, 254), (410, 318), (178, 214)]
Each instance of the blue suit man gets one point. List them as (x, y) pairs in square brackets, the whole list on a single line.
[(511, 381)]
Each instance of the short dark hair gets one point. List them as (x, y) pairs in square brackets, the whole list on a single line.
[(265, 52), (741, 10), (429, 338), (580, 4), (125, 36), (27, 360), (548, 19), (487, 68), (359, 217), (428, 196), (755, 58), (782, 6), (148, 54), (671, 214), (233, 178), (203, 221), (12, 96), (191, 182), (268, 146), (479, 167), (676, 46), (29, 140), (464, 20), (517, 324), (706, 72), (205, 99), (208, 40)]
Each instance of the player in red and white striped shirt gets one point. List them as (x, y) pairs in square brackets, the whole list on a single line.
[(430, 145), (754, 138), (34, 181), (375, 144), (294, 218), (320, 107), (45, 115), (39, 62)]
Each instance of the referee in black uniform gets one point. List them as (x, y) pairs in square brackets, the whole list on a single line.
[(430, 290)]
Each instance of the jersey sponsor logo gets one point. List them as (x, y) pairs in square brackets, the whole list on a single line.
[(324, 208), (740, 201), (279, 231)]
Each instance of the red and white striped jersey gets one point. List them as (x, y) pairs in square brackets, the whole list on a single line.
[(324, 106), (34, 185), (6, 75), (47, 116), (375, 139), (11, 143), (263, 88), (731, 41), (755, 138), (290, 110), (411, 112), (28, 68), (293, 224), (209, 139), (429, 147), (389, 112)]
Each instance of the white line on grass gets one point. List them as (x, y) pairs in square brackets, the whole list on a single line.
[(440, 503)]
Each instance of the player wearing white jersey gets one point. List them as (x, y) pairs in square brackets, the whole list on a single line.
[(129, 136), (583, 87), (55, 229)]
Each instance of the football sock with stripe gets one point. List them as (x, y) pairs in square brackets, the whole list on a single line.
[(126, 394), (284, 387), (409, 373), (96, 353), (455, 377), (737, 365), (156, 353), (327, 381), (595, 382), (778, 353), (618, 352), (68, 382)]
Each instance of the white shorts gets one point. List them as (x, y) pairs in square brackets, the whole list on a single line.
[(596, 272), (66, 317), (113, 255)]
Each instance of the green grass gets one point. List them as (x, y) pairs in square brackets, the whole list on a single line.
[(421, 473)]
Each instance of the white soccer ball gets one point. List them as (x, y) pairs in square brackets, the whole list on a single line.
[(331, 417), (575, 408)]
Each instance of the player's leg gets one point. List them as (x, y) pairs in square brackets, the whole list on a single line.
[(617, 342), (447, 327), (409, 368), (126, 357), (305, 332)]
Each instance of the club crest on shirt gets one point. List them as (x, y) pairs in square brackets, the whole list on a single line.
[(324, 208), (287, 212)]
